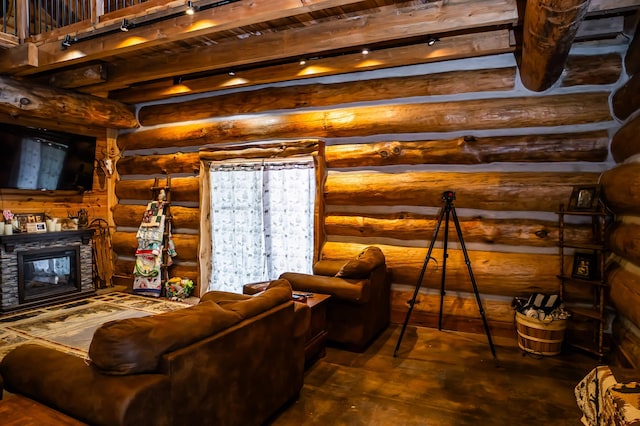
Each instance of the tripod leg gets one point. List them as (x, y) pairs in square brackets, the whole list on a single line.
[(445, 255), (420, 278), (473, 282)]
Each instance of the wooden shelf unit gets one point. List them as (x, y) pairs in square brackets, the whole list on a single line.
[(593, 312)]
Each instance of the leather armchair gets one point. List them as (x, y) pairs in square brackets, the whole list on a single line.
[(359, 308)]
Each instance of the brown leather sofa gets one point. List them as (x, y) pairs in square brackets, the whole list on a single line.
[(360, 306), (221, 362)]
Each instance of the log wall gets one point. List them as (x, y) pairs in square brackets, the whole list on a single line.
[(621, 189), (395, 140)]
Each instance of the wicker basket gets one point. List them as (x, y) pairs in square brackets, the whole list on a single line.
[(539, 337)]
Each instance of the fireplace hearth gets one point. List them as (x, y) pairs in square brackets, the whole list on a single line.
[(44, 269)]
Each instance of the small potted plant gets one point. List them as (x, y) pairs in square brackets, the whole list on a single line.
[(178, 288)]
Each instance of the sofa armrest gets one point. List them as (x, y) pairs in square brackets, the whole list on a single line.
[(352, 290), (66, 383), (217, 296), (328, 268)]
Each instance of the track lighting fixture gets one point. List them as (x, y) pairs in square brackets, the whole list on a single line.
[(125, 25), (432, 40), (191, 9), (232, 72), (302, 62), (67, 41), (365, 51)]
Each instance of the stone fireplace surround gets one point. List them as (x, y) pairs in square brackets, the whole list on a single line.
[(12, 245)]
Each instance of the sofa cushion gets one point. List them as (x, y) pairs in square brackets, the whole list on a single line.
[(278, 291), (365, 262), (135, 345)]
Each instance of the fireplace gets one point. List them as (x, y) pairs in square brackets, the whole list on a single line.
[(46, 273), (43, 269)]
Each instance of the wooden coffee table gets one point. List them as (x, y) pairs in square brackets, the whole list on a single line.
[(315, 341), (316, 338)]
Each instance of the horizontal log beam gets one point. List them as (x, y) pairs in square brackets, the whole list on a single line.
[(627, 339), (46, 104), (588, 146), (632, 58), (459, 313), (273, 149), (206, 23), (626, 142), (84, 76), (190, 162), (624, 292), (124, 267), (624, 240), (319, 36), (182, 189), (621, 188), (448, 48), (584, 70), (500, 191), (128, 215), (21, 57), (175, 163), (411, 227), (625, 100), (496, 273), (555, 110), (125, 244), (317, 95)]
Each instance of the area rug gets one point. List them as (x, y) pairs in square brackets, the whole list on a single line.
[(69, 326)]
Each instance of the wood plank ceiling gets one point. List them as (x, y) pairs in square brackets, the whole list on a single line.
[(167, 53)]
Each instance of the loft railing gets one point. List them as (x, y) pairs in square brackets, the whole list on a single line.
[(112, 6), (9, 17), (48, 15)]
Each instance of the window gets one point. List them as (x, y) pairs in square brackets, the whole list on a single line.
[(262, 220)]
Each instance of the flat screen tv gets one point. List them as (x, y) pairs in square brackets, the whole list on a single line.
[(39, 159)]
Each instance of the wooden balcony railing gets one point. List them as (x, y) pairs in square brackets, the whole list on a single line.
[(28, 18), (9, 22)]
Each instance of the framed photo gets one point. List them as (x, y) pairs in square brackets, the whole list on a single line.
[(29, 218), (584, 198), (585, 266)]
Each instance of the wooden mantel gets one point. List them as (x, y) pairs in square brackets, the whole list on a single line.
[(11, 241)]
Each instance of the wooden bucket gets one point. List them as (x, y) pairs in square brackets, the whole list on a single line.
[(540, 338)]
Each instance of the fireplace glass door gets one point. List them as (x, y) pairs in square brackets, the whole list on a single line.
[(48, 273)]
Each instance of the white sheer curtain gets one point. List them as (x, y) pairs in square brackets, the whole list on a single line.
[(261, 221)]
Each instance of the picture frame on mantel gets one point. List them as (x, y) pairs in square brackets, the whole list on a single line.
[(584, 198), (30, 222)]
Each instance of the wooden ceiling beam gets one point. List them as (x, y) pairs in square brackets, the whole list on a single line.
[(600, 28), (611, 6), (21, 57), (182, 27), (29, 101), (318, 39), (448, 48), (78, 77)]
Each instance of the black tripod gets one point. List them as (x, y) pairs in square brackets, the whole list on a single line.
[(449, 210)]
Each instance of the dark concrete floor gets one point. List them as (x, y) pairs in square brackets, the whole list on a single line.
[(439, 378)]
